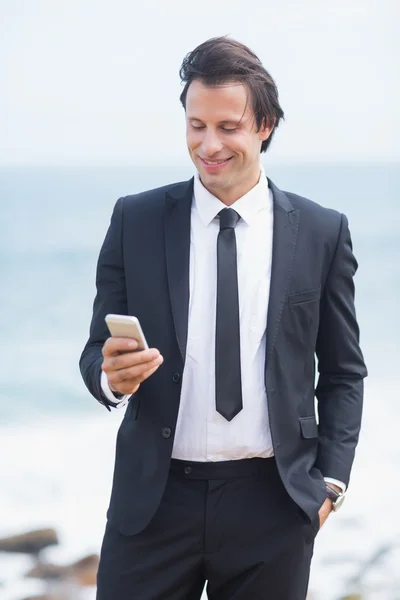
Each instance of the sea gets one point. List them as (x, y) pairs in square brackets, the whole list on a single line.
[(57, 443)]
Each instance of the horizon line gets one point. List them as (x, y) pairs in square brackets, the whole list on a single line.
[(183, 164)]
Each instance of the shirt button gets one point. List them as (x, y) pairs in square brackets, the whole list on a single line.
[(166, 432), (187, 470), (176, 377)]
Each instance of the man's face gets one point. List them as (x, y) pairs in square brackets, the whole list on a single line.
[(222, 138)]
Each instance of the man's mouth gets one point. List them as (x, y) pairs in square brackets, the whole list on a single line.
[(214, 164)]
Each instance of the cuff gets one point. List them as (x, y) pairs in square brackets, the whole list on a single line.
[(336, 482), (113, 400)]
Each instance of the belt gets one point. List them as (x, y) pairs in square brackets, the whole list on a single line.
[(229, 469)]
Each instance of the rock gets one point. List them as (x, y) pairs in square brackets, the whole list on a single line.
[(31, 542), (48, 571), (83, 571), (56, 596), (46, 597)]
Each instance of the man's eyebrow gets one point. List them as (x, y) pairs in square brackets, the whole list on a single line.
[(224, 122), (230, 122)]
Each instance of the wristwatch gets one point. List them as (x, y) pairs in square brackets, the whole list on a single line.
[(336, 498)]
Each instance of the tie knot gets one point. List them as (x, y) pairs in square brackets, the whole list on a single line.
[(228, 218)]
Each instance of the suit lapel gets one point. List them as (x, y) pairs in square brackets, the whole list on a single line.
[(286, 221), (177, 251)]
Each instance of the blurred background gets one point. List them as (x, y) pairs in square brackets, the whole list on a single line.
[(89, 112)]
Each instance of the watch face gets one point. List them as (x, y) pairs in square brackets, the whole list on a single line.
[(336, 505), (332, 494)]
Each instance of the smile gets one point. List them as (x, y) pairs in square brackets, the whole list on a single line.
[(212, 165)]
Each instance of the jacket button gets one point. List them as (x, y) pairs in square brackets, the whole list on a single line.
[(166, 432), (176, 377), (188, 470)]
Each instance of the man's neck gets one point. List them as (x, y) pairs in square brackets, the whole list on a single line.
[(230, 196)]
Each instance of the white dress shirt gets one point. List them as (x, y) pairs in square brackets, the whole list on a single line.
[(202, 434)]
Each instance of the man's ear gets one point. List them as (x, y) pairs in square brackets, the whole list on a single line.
[(266, 129)]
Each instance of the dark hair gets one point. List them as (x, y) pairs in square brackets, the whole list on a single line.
[(220, 60)]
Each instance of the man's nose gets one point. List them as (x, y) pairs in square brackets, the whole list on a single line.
[(211, 144)]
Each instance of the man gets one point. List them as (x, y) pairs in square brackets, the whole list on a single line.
[(222, 473)]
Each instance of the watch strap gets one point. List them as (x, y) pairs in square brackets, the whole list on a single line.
[(332, 494)]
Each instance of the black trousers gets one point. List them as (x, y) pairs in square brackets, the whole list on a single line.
[(230, 524)]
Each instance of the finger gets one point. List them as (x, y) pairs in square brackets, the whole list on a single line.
[(131, 386), (114, 345), (134, 373), (128, 359), (147, 374)]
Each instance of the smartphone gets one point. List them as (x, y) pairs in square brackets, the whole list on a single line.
[(126, 326)]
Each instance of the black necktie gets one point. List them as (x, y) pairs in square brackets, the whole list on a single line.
[(228, 380)]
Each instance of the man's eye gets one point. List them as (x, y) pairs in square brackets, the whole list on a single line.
[(229, 130), (197, 127)]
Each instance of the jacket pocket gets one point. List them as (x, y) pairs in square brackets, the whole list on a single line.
[(303, 297), (308, 427)]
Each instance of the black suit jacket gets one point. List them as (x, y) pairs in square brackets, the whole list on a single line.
[(143, 270)]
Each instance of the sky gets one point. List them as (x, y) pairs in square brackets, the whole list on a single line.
[(96, 81)]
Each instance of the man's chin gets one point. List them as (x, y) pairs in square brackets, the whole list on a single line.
[(214, 183)]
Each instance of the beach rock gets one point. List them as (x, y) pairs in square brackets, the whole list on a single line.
[(31, 542), (45, 597), (48, 572), (51, 596), (83, 571)]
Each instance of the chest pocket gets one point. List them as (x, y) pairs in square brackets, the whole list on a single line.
[(304, 297), (301, 322)]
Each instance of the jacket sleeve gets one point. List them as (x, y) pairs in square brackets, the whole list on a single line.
[(110, 298), (340, 364)]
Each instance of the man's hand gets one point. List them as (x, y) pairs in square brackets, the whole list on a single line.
[(326, 508), (125, 366), (325, 511)]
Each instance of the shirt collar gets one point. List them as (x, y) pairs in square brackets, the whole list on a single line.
[(208, 206)]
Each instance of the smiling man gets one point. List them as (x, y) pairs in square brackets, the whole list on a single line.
[(224, 139), (222, 473)]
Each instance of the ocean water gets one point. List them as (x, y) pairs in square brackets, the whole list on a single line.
[(57, 442)]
